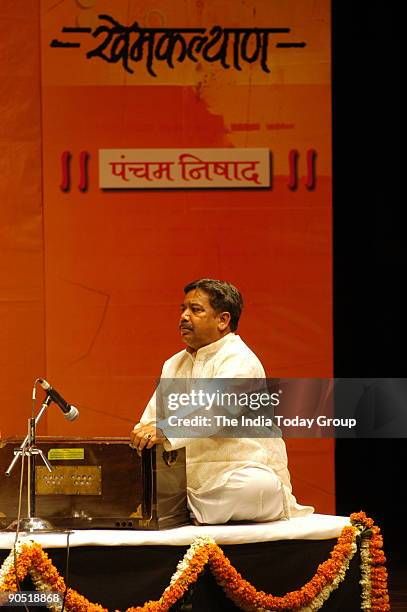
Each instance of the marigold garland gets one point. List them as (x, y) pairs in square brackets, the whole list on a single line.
[(33, 561), (374, 576), (312, 595)]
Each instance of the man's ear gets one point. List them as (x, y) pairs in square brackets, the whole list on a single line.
[(224, 321)]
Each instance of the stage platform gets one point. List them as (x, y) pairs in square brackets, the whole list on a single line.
[(121, 568), (312, 527)]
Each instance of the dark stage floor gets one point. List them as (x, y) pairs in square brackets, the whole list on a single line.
[(398, 587)]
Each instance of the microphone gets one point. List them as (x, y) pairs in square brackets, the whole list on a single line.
[(70, 412)]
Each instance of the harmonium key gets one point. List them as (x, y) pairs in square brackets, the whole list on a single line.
[(99, 483)]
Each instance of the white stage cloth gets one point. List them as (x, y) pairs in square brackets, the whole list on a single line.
[(312, 527)]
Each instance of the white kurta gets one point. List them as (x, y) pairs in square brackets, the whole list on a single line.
[(210, 461)]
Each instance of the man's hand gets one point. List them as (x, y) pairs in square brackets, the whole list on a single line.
[(145, 436)]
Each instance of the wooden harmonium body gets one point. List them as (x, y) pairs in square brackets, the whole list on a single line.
[(99, 483)]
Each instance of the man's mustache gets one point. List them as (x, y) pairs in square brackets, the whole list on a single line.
[(185, 326)]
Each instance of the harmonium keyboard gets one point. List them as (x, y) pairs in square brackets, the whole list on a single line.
[(98, 483)]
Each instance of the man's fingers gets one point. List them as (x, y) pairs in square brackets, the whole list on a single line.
[(141, 439), (145, 436), (151, 441), (133, 434), (141, 444)]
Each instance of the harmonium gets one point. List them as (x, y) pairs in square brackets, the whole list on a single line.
[(98, 483)]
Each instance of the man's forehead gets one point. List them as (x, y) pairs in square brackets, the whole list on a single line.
[(196, 295)]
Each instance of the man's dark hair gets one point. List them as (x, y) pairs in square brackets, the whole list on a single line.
[(223, 297)]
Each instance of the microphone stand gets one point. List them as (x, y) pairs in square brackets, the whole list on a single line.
[(29, 450)]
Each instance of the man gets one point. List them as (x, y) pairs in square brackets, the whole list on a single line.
[(228, 478)]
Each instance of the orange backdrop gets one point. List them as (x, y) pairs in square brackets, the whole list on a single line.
[(98, 315)]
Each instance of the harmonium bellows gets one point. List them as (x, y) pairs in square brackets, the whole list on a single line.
[(98, 483)]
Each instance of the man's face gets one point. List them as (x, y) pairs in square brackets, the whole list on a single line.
[(199, 323)]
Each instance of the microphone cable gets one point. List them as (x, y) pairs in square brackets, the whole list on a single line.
[(20, 498), (34, 397), (20, 495), (66, 571)]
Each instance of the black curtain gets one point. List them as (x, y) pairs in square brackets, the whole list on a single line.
[(369, 255)]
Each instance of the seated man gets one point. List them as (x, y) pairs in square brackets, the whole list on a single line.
[(228, 478)]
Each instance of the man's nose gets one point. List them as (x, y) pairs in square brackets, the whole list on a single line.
[(184, 315)]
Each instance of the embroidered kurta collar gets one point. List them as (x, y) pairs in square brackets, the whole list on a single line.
[(207, 351)]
